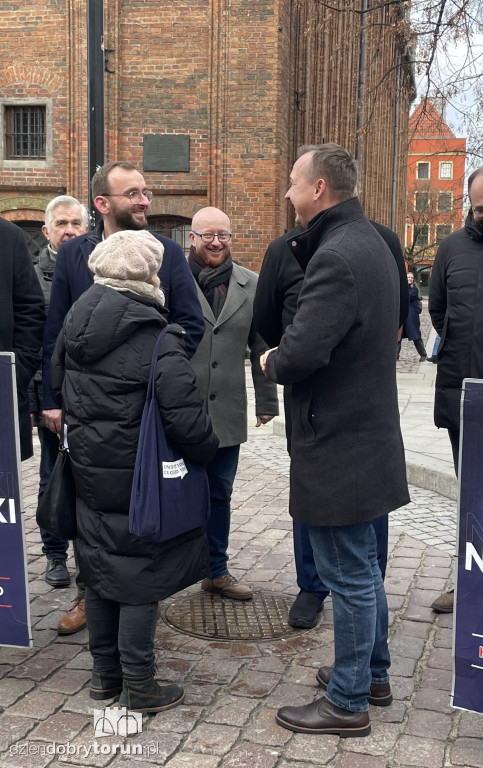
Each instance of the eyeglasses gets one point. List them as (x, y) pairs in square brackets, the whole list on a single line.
[(208, 237), (134, 196)]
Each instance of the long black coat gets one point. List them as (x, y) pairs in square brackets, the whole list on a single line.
[(456, 309), (22, 318), (102, 361), (411, 326), (339, 354)]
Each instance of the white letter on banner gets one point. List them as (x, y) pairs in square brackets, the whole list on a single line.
[(174, 469), (472, 553)]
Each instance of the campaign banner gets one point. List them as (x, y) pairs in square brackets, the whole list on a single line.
[(467, 690), (14, 598)]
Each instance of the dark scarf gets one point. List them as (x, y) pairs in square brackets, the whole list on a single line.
[(213, 281), (472, 229)]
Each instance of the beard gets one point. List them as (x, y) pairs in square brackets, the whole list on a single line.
[(125, 220)]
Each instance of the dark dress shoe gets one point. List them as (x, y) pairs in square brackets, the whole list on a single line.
[(105, 685), (56, 573), (323, 717), (305, 611), (380, 695)]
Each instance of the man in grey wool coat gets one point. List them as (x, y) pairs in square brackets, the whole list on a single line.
[(347, 454), (226, 292)]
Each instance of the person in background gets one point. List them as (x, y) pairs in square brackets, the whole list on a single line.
[(411, 326), (65, 218), (22, 318), (100, 372)]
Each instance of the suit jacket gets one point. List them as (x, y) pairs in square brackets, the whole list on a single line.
[(339, 354), (22, 319), (219, 362), (72, 277)]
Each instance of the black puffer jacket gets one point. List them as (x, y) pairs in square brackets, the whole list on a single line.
[(456, 309), (101, 363)]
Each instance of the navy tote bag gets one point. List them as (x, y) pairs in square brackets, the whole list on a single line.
[(170, 494)]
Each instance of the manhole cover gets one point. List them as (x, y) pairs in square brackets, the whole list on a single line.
[(207, 615)]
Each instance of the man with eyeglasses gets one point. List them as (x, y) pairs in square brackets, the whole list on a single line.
[(226, 292), (456, 309), (120, 195)]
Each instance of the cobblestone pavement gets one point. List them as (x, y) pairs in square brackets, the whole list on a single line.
[(234, 688)]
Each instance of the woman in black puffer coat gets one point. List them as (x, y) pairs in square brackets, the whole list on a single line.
[(101, 364)]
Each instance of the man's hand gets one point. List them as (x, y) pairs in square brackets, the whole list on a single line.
[(53, 419), (263, 364), (263, 419)]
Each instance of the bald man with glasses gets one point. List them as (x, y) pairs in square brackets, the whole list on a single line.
[(121, 197), (226, 292)]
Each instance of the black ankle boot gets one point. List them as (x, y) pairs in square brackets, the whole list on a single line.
[(105, 685), (144, 694)]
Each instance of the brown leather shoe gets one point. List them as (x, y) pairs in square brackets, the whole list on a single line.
[(323, 717), (380, 695), (444, 603), (74, 620), (227, 586)]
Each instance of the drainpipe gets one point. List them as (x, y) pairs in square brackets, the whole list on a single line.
[(395, 143), (95, 92)]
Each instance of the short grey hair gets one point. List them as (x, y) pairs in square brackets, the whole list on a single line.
[(69, 201)]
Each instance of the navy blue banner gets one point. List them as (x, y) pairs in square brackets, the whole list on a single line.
[(14, 604), (468, 620)]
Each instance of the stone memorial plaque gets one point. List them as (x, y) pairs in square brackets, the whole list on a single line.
[(166, 152)]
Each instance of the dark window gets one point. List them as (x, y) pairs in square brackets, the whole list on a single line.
[(422, 201), (422, 236), (423, 170), (34, 236), (25, 132), (442, 231), (175, 227), (445, 201)]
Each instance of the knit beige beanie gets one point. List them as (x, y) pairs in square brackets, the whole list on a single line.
[(127, 255)]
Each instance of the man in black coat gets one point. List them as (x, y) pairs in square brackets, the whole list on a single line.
[(347, 454), (120, 195), (22, 317), (456, 309), (279, 285)]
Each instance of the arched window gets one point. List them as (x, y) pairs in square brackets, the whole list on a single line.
[(175, 227)]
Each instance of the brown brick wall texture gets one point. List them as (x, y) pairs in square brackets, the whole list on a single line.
[(248, 81)]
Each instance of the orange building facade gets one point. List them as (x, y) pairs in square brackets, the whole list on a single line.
[(436, 174)]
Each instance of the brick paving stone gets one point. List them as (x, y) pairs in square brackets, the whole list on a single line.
[(406, 645), (403, 666), (400, 561), (415, 611), (470, 724), (61, 727), (43, 638), (380, 741), (288, 694), (231, 710), (402, 687), (427, 753), (157, 746), (301, 675), (359, 761), (245, 650), (180, 719), (393, 714), (11, 690), (256, 684), (396, 586), (190, 760), (212, 738), (67, 681), (264, 730), (211, 670), (414, 629), (422, 722), (247, 755), (312, 748), (437, 678), (435, 700), (14, 729), (440, 658), (82, 660), (200, 693), (443, 638), (37, 704), (85, 741), (36, 757), (467, 752)]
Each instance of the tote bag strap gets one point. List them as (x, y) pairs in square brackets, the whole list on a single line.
[(154, 360)]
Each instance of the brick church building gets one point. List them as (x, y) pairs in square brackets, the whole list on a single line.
[(210, 99)]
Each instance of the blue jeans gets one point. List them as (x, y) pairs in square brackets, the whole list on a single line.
[(308, 580), (121, 636), (53, 547), (221, 476), (345, 556)]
